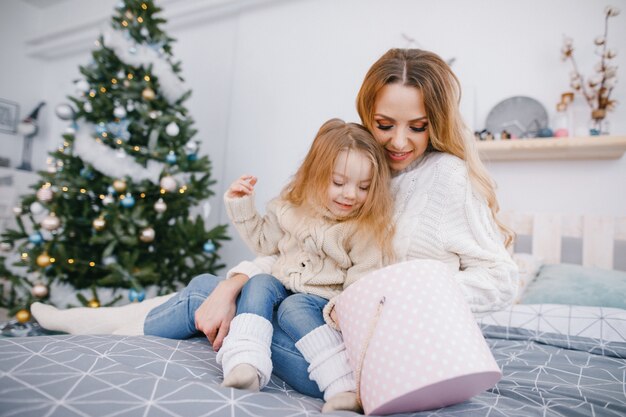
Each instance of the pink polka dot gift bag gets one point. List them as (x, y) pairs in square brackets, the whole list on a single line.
[(412, 340)]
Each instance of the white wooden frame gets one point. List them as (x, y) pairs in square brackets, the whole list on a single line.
[(598, 234)]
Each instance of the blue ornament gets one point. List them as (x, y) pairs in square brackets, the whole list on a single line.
[(128, 201), (111, 190), (192, 157), (86, 173), (35, 238), (100, 128), (134, 295), (119, 129), (171, 158), (209, 246)]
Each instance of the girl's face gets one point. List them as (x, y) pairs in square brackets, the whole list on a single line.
[(349, 184), (400, 124)]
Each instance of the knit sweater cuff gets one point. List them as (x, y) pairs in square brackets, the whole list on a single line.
[(318, 340), (328, 308), (240, 209), (247, 268)]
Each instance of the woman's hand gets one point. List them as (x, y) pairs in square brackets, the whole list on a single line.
[(241, 187), (214, 315)]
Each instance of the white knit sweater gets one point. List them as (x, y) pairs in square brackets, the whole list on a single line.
[(438, 216)]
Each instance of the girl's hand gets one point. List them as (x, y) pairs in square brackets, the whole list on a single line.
[(214, 315), (242, 187)]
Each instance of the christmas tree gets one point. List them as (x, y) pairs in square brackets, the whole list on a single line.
[(113, 208)]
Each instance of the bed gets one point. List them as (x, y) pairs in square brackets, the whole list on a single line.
[(557, 359)]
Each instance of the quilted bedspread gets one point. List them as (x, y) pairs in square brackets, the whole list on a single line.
[(544, 374)]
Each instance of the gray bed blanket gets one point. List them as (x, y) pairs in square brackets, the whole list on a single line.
[(544, 374)]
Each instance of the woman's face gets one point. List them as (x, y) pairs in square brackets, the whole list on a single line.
[(400, 124)]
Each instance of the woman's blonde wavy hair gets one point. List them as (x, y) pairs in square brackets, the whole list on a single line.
[(309, 186), (441, 90)]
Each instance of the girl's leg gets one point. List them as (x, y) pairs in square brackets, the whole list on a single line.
[(300, 316), (245, 355), (175, 319)]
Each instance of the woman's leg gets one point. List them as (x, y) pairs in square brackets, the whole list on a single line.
[(102, 320), (245, 355), (175, 319), (300, 316)]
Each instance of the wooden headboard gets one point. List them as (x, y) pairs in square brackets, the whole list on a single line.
[(598, 235)]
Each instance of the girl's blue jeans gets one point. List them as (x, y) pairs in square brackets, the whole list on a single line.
[(297, 315)]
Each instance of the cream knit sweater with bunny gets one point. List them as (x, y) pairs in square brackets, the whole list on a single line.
[(438, 216)]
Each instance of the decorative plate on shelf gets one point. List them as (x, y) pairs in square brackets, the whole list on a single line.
[(521, 116)]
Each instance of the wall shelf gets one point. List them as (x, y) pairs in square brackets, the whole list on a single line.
[(591, 147)]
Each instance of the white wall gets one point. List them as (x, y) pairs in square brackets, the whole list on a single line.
[(267, 73)]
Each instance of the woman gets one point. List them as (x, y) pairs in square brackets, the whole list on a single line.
[(445, 209)]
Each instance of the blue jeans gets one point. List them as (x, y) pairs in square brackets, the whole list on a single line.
[(175, 319)]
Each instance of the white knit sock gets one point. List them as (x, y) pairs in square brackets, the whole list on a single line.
[(243, 376), (102, 320), (249, 340), (329, 367)]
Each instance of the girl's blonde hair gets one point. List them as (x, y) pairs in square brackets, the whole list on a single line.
[(309, 186), (441, 90)]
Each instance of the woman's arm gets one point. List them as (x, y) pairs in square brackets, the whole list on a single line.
[(488, 275), (214, 315)]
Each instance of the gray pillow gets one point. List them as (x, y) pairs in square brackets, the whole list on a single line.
[(577, 285)]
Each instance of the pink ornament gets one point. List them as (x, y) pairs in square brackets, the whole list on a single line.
[(44, 194), (51, 222), (168, 184), (413, 340)]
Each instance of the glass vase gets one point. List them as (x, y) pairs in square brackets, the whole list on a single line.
[(598, 125)]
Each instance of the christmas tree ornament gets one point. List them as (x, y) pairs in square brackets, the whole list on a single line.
[(35, 238), (192, 157), (168, 183), (136, 296), (160, 206), (147, 235), (153, 114), (45, 194), (128, 201), (119, 112), (93, 303), (43, 260), (64, 111), (87, 173), (172, 129), (191, 147), (101, 128), (51, 169), (5, 246), (40, 290), (209, 246), (87, 107), (148, 94), (22, 316), (99, 224), (109, 260), (17, 210), (108, 199), (51, 222), (82, 86), (129, 106), (119, 186), (170, 158), (36, 208)]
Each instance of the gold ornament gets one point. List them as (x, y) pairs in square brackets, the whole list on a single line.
[(22, 316), (147, 235), (93, 303), (148, 94), (43, 260), (51, 222), (99, 223), (39, 290), (119, 186)]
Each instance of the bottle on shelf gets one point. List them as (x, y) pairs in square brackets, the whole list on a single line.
[(560, 124)]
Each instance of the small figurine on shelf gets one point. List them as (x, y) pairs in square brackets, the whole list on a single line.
[(505, 135)]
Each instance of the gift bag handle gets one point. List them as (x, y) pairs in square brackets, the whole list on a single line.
[(366, 344)]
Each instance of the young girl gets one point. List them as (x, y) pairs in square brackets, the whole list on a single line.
[(329, 227)]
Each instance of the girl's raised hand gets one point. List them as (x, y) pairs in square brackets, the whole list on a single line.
[(241, 187)]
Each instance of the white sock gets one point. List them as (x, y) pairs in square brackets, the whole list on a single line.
[(243, 376), (102, 320), (344, 401), (329, 367), (249, 341)]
